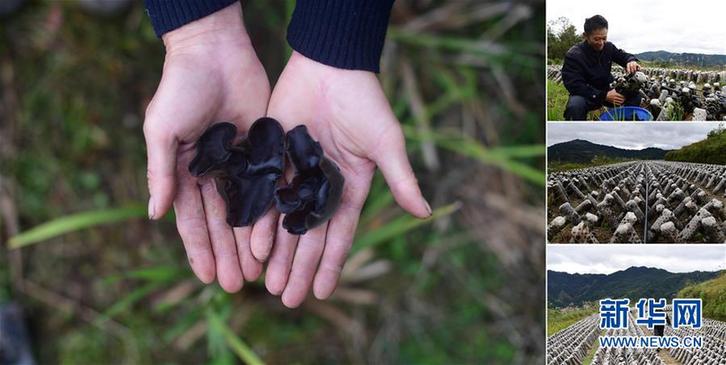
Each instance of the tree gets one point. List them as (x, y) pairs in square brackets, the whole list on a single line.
[(561, 35)]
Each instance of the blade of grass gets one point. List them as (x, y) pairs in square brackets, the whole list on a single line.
[(155, 273), (238, 346), (500, 157), (480, 153), (181, 325), (523, 151), (375, 205), (75, 222), (494, 52), (133, 297), (400, 226)]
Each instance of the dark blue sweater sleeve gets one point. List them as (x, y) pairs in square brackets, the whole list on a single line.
[(167, 15), (345, 34)]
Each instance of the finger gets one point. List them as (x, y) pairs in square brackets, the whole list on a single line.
[(192, 226), (251, 268), (392, 159), (278, 268), (229, 272), (263, 235), (161, 149), (307, 256), (341, 232)]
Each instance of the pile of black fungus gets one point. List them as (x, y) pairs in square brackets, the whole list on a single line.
[(247, 174)]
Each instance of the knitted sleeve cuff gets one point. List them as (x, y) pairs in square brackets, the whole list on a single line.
[(167, 15), (346, 34)]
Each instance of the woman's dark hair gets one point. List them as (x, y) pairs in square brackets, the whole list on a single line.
[(594, 23)]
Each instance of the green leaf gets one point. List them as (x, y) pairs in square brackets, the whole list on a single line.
[(238, 346), (400, 226), (534, 150), (75, 222), (501, 156), (491, 52), (181, 325), (164, 273), (133, 297)]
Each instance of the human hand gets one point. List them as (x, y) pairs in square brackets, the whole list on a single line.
[(348, 113), (615, 97), (211, 73), (632, 67)]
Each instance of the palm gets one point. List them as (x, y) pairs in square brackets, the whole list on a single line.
[(199, 88), (347, 112)]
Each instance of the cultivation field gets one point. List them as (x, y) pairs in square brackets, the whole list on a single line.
[(578, 344), (638, 202)]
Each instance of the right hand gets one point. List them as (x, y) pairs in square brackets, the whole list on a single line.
[(347, 111), (615, 98), (211, 73)]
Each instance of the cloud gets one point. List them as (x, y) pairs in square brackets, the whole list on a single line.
[(695, 26), (606, 259), (631, 135)]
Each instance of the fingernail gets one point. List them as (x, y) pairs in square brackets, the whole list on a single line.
[(428, 208), (152, 209)]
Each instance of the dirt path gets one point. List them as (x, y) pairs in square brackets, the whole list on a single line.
[(666, 357)]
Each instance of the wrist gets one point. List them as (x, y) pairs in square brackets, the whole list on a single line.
[(311, 66), (224, 27)]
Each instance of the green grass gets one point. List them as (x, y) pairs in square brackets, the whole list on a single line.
[(709, 150), (559, 319), (557, 97), (713, 294), (558, 166)]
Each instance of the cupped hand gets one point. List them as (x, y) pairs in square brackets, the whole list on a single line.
[(348, 113), (211, 73)]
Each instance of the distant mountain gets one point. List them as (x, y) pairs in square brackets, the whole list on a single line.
[(579, 150), (565, 289), (684, 59)]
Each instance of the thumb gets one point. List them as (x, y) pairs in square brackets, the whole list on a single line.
[(391, 158), (161, 147)]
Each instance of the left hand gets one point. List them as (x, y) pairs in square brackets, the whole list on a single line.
[(348, 113), (632, 67)]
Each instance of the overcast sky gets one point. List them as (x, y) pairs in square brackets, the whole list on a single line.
[(606, 259), (694, 26), (631, 135)]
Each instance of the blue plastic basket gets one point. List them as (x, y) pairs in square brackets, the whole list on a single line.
[(627, 113)]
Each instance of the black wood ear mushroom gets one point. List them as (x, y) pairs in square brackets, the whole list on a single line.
[(246, 175), (315, 191)]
